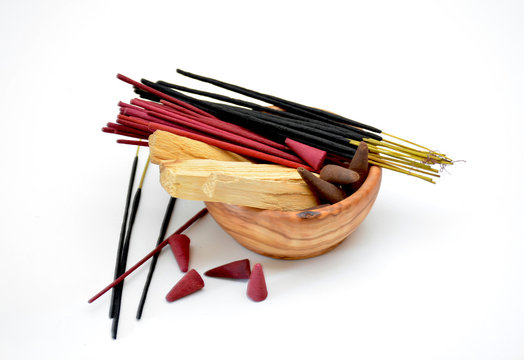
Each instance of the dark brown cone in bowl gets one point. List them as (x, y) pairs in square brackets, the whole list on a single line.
[(360, 165), (321, 188), (336, 174)]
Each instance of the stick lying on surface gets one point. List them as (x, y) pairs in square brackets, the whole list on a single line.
[(148, 256), (152, 266), (265, 186)]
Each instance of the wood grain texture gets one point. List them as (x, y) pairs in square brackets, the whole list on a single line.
[(298, 234), (264, 186), (164, 145)]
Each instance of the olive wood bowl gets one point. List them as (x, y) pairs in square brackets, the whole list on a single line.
[(298, 234)]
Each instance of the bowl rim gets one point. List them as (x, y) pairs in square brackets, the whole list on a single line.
[(358, 203), (372, 181)]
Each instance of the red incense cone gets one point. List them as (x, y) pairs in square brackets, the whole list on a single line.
[(180, 246), (313, 156), (239, 269), (256, 287), (191, 282)]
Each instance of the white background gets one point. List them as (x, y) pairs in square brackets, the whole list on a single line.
[(435, 271)]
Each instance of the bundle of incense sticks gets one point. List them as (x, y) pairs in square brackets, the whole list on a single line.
[(262, 132)]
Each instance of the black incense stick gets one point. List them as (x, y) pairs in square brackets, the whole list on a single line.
[(220, 97), (123, 228), (282, 103), (341, 128), (325, 130), (163, 230), (125, 251), (278, 132), (159, 248), (321, 129)]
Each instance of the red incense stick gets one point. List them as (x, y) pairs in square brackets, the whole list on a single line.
[(226, 135), (129, 129), (138, 112), (151, 106), (241, 150), (189, 133), (124, 105), (123, 133), (210, 123), (221, 144), (134, 125), (144, 122), (173, 107), (239, 130), (148, 256), (160, 94), (176, 107), (132, 142)]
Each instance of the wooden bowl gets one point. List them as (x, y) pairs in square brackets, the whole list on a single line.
[(298, 234)]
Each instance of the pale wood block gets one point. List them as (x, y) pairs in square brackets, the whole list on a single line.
[(164, 145), (265, 186)]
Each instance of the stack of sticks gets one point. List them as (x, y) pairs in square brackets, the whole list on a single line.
[(259, 132)]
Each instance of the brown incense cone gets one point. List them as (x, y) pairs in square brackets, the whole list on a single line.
[(359, 164), (338, 175), (321, 188)]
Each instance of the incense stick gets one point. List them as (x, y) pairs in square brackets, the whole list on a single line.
[(121, 278), (128, 129), (284, 104), (228, 136), (152, 266), (422, 154), (241, 150), (125, 252), (123, 226), (260, 109), (326, 131), (132, 142)]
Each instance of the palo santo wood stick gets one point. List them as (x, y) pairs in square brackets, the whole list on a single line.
[(265, 186), (164, 145)]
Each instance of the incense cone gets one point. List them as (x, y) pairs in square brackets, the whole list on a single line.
[(311, 155), (190, 282), (180, 246), (338, 175), (239, 269), (360, 164), (256, 287), (321, 188)]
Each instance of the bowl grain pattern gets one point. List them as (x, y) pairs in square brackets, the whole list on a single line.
[(298, 234)]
